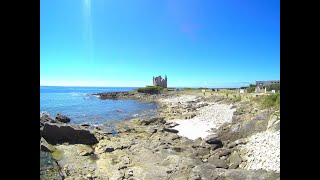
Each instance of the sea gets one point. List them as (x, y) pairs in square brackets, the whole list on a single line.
[(81, 107)]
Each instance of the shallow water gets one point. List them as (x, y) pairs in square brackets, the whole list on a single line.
[(48, 168), (80, 106)]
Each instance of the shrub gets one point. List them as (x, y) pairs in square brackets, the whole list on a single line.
[(272, 100), (273, 87), (251, 89), (188, 89), (238, 98), (200, 88)]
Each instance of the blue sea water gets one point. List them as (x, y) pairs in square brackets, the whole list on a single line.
[(76, 103)]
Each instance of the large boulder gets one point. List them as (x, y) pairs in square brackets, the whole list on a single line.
[(62, 118), (72, 134)]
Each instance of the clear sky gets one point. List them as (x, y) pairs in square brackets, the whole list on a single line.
[(123, 43)]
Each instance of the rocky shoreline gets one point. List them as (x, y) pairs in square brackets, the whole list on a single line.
[(192, 137)]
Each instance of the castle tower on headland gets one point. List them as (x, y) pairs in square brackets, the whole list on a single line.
[(158, 81)]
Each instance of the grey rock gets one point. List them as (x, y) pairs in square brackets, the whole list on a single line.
[(237, 142), (62, 118), (45, 118), (236, 118), (203, 151), (61, 133), (219, 163), (234, 160), (170, 130), (224, 152), (153, 120), (262, 116), (205, 171), (235, 174)]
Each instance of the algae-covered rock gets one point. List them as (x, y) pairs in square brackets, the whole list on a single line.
[(45, 146)]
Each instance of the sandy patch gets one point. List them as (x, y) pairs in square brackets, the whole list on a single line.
[(209, 117)]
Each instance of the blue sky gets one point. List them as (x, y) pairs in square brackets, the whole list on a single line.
[(196, 43)]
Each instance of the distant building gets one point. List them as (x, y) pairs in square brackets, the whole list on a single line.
[(266, 83), (158, 81)]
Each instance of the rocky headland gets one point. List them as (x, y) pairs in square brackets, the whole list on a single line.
[(194, 136)]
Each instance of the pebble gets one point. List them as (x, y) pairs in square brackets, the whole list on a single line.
[(263, 151)]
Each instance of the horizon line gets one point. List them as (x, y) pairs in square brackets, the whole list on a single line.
[(142, 87)]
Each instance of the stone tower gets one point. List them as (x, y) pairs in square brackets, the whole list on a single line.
[(158, 81)]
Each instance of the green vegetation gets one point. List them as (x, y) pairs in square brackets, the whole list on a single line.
[(268, 101), (188, 89), (151, 90), (273, 87), (58, 155), (200, 88), (236, 97), (272, 100), (251, 88)]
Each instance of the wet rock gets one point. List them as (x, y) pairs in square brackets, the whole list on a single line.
[(62, 118), (109, 149), (85, 124), (61, 133), (45, 146), (109, 95), (214, 140), (41, 132), (170, 130)]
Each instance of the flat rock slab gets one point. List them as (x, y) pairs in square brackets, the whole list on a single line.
[(61, 133)]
